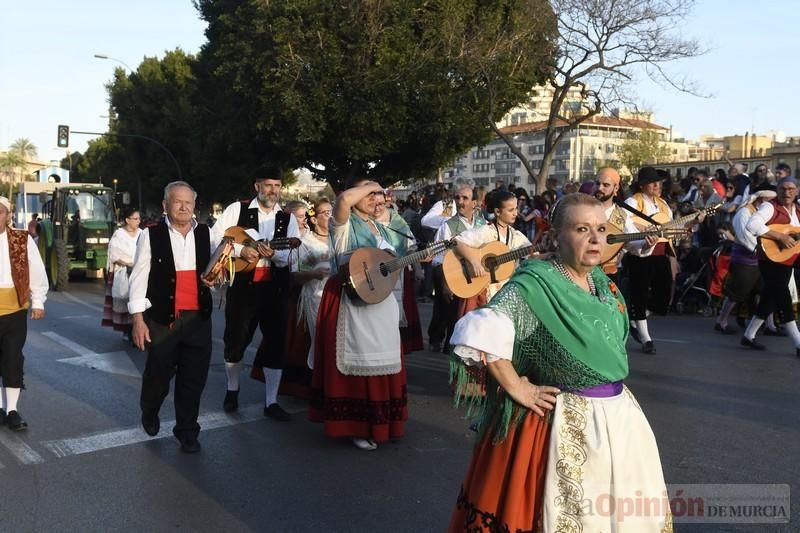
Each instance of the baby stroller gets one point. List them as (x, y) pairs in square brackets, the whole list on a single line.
[(691, 283)]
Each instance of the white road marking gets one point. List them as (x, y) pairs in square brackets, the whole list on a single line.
[(24, 453), (124, 437), (112, 362), (81, 302)]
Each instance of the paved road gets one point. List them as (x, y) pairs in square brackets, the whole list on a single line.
[(721, 414)]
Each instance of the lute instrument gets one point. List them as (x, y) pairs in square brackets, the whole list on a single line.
[(371, 274), (774, 250), (616, 239)]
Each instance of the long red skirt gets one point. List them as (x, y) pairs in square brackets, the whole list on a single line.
[(367, 407), (296, 378), (411, 335), (504, 486)]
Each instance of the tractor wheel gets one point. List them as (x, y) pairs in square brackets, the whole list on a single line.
[(59, 266)]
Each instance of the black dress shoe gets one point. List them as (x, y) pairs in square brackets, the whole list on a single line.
[(151, 424), (774, 332), (276, 412), (15, 422), (797, 352), (190, 445), (231, 402), (649, 348), (752, 344), (725, 330), (2, 417), (634, 334)]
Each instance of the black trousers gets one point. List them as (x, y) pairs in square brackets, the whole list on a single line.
[(775, 298), (182, 350), (248, 305), (444, 310), (13, 333), (650, 281)]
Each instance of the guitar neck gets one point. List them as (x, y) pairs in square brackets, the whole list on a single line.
[(415, 257), (682, 221), (513, 255)]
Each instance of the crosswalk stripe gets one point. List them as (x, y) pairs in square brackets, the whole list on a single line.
[(24, 453), (124, 437)]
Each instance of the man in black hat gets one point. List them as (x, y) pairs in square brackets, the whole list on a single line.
[(649, 268), (257, 298)]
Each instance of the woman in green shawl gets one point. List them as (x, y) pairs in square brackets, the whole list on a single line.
[(563, 445)]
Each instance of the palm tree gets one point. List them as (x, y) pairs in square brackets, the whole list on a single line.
[(9, 163), (25, 148)]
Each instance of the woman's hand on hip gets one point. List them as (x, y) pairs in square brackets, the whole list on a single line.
[(537, 398)]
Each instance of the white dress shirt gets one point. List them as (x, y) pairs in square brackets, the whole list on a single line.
[(444, 234), (757, 225), (434, 218), (650, 208), (36, 272), (183, 251), (266, 231), (743, 236)]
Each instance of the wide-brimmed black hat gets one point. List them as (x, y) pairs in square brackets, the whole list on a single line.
[(648, 175), (268, 171)]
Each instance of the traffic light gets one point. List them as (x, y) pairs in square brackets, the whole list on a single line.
[(63, 136)]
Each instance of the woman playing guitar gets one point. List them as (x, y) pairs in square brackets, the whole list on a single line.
[(504, 206), (359, 380)]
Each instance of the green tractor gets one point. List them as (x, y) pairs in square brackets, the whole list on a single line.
[(77, 222)]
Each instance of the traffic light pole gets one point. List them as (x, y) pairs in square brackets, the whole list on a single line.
[(137, 136)]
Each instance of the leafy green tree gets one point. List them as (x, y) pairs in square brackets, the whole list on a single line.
[(389, 90), (642, 148)]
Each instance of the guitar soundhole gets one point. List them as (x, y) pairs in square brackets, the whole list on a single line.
[(490, 263), (383, 270)]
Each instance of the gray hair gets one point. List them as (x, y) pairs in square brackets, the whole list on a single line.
[(171, 185), (558, 213), (463, 183)]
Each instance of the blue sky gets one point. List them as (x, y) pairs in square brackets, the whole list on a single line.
[(48, 75)]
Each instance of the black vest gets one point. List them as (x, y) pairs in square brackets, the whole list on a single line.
[(161, 283), (248, 218)]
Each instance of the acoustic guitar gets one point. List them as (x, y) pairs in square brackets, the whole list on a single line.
[(775, 251), (497, 261), (238, 235), (371, 274)]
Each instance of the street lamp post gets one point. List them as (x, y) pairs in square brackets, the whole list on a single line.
[(103, 56)]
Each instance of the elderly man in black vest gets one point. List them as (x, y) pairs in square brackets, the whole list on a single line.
[(258, 297), (171, 310)]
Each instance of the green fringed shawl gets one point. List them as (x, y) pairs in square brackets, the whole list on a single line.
[(565, 337)]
